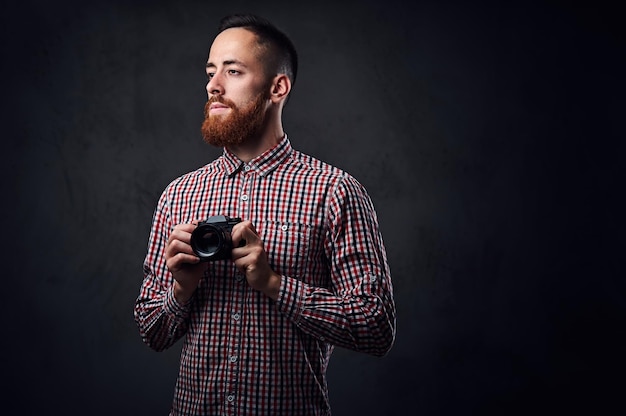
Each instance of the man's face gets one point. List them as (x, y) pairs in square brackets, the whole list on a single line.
[(238, 89)]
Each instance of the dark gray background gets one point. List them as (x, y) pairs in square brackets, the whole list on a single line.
[(489, 136)]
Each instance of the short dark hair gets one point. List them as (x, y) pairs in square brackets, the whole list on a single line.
[(282, 50)]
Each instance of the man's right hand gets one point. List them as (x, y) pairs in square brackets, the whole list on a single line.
[(181, 261)]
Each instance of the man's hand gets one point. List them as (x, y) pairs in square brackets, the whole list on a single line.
[(251, 260), (181, 261)]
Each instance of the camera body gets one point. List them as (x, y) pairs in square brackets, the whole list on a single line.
[(211, 240)]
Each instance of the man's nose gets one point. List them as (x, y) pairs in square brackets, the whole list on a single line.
[(214, 86)]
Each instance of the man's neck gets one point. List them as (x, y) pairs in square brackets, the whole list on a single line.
[(255, 146)]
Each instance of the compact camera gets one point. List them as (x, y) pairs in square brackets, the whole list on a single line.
[(211, 240)]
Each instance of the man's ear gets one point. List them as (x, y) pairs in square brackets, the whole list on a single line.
[(281, 86)]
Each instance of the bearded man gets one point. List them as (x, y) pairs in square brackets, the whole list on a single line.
[(305, 267)]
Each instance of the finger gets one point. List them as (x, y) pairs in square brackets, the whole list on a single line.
[(180, 234), (184, 258), (237, 234), (244, 231), (185, 227), (248, 224), (180, 260), (178, 246), (248, 255)]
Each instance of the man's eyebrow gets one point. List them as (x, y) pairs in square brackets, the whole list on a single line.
[(227, 62)]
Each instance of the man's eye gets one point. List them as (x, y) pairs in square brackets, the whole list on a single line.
[(210, 75), (233, 71)]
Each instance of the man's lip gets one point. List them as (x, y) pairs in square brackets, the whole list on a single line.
[(214, 106)]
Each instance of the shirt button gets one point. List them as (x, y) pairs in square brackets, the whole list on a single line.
[(244, 197), (246, 168), (233, 358), (284, 228), (236, 316), (239, 277), (230, 397)]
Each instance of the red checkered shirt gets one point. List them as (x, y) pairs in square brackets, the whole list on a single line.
[(243, 353)]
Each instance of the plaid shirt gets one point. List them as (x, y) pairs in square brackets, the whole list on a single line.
[(243, 353)]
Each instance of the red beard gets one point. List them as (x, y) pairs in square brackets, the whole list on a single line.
[(237, 126)]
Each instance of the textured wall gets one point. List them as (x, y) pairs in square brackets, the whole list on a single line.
[(487, 136)]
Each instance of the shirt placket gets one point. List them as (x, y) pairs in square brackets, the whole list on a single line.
[(237, 312)]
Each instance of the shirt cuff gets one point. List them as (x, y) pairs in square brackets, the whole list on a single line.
[(291, 298), (174, 308)]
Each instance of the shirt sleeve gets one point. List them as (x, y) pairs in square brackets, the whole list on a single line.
[(358, 310), (161, 319)]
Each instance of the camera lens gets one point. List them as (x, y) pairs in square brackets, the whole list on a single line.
[(209, 242), (206, 241)]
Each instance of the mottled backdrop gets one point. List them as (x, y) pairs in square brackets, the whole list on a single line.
[(490, 138)]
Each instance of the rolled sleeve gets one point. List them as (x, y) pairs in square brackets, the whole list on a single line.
[(291, 298)]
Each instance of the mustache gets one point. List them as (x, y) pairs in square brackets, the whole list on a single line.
[(218, 99), (221, 100)]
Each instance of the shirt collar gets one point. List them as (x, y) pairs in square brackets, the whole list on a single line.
[(263, 164)]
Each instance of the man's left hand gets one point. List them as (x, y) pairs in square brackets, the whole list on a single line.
[(251, 259)]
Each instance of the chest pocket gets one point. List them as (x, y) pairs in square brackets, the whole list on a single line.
[(287, 247)]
